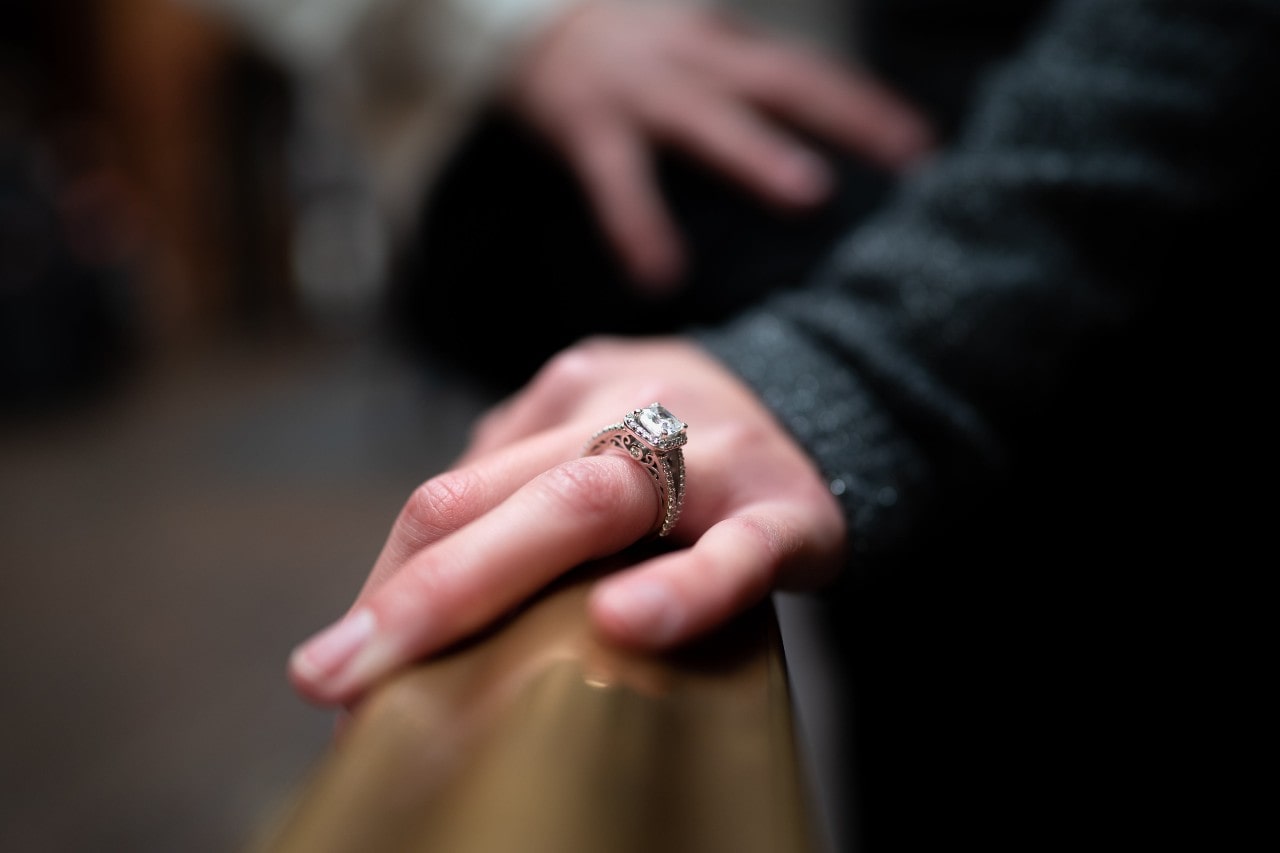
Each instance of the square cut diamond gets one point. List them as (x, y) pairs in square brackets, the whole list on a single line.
[(658, 424)]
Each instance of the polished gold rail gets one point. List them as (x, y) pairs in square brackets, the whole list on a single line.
[(540, 738)]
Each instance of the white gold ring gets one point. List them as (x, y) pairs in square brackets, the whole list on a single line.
[(653, 437)]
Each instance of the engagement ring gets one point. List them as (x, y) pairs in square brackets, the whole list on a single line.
[(653, 437)]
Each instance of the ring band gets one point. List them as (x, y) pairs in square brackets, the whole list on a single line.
[(653, 437)]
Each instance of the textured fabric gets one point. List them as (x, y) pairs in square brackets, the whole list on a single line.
[(1035, 379), (1107, 163)]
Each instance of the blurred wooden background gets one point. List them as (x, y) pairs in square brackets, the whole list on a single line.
[(148, 142), (191, 479), (196, 123)]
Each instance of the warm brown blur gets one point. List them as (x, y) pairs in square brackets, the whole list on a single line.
[(195, 471), (168, 109), (544, 739)]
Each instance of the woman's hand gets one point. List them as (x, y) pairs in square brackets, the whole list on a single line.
[(522, 507), (612, 80)]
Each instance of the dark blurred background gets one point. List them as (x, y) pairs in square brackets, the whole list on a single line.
[(203, 432)]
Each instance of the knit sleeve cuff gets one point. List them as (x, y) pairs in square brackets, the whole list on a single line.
[(871, 467)]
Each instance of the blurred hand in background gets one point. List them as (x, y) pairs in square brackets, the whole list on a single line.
[(610, 81)]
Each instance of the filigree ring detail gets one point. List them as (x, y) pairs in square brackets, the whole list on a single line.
[(653, 437)]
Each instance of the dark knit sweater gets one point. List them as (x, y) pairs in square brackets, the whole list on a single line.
[(1090, 222)]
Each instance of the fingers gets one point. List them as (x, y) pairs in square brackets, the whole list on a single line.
[(718, 117), (573, 513), (730, 137), (851, 110), (675, 597), (611, 79), (554, 391), (612, 161), (451, 500), (802, 87)]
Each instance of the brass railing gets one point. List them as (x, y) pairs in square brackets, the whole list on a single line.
[(540, 738)]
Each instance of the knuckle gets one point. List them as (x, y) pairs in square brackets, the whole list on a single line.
[(577, 367), (738, 438), (687, 115), (755, 576), (768, 78), (745, 575), (777, 539), (440, 505), (587, 488), (569, 368)]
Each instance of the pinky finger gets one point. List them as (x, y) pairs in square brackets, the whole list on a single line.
[(676, 597)]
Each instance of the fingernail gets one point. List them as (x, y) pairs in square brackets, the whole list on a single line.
[(645, 607), (323, 657)]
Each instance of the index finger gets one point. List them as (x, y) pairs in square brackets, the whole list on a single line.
[(612, 161), (578, 511), (838, 103)]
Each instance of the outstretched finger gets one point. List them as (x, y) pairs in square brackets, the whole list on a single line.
[(613, 163), (823, 97), (732, 138), (573, 513)]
